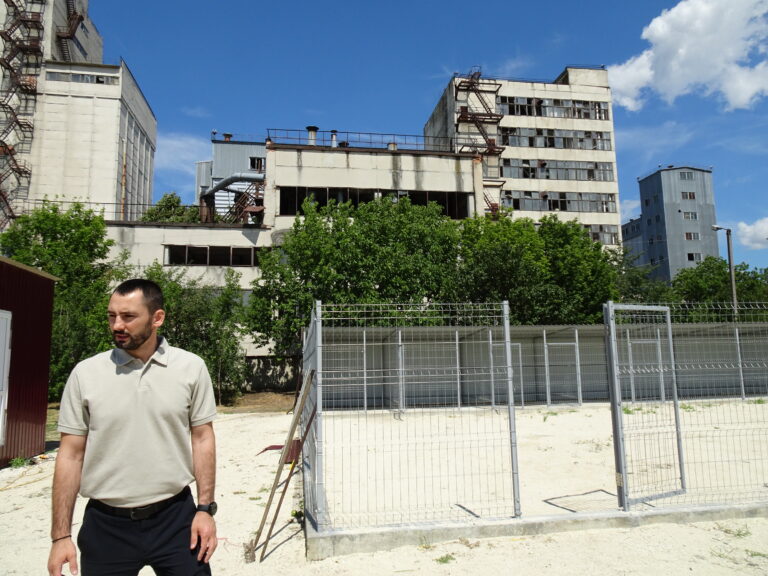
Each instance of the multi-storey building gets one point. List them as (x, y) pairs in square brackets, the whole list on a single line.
[(546, 147), (674, 230), (71, 127)]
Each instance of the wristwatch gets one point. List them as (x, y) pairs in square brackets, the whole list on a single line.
[(210, 508)]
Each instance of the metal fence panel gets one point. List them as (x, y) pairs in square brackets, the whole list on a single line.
[(415, 422), (690, 415)]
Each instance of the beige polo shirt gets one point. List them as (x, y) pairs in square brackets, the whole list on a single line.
[(137, 418)]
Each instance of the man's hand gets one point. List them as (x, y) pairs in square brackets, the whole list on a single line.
[(204, 532), (62, 552)]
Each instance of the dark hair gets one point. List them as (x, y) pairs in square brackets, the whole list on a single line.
[(153, 294)]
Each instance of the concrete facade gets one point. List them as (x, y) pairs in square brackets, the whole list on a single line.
[(75, 128), (95, 136), (547, 148), (674, 230)]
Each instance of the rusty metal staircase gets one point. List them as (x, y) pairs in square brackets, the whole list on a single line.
[(20, 64), (481, 118), (66, 33)]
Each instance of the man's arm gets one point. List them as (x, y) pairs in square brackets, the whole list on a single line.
[(66, 484), (204, 461)]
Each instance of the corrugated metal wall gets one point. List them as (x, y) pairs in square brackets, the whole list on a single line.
[(28, 295)]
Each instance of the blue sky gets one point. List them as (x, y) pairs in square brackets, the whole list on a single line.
[(690, 78)]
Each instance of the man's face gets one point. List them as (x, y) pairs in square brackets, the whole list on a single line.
[(131, 322)]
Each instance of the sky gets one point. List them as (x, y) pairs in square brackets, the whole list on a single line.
[(689, 78)]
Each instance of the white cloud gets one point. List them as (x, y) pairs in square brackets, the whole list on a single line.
[(630, 209), (654, 143), (195, 112), (716, 47), (178, 152), (510, 67), (753, 235)]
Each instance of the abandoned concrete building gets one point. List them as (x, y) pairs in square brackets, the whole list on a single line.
[(674, 230), (73, 128), (537, 148)]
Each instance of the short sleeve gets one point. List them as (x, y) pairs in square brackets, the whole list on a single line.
[(203, 409), (73, 414)]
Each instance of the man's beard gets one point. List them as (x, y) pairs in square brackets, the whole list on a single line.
[(134, 341)]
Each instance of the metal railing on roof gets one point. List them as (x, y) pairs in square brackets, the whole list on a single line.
[(342, 139)]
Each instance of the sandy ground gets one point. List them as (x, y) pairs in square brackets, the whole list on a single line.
[(578, 440)]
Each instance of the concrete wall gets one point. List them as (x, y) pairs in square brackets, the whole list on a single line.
[(366, 169), (664, 225), (146, 245), (83, 130), (573, 84)]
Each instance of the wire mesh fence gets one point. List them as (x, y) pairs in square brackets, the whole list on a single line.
[(412, 410), (414, 420), (690, 416)]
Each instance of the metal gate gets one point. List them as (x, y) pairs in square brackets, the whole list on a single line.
[(645, 411)]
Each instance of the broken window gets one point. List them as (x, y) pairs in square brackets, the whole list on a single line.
[(689, 195), (557, 170), (690, 216), (256, 163), (691, 235), (694, 256), (686, 175), (180, 255)]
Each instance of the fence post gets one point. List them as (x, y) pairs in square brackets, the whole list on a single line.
[(578, 366), (322, 505), (365, 373), (511, 407), (400, 369), (631, 361), (678, 429), (741, 366), (546, 368), (458, 371), (614, 389), (491, 368)]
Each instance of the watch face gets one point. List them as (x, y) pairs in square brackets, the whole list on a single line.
[(209, 508)]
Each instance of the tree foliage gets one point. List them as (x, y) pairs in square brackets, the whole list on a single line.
[(170, 209), (710, 281), (387, 251), (71, 245), (208, 321)]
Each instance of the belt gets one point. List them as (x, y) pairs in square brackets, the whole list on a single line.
[(142, 512)]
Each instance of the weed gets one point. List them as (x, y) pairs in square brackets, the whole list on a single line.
[(425, 544), (756, 554), (724, 556), (254, 498), (757, 401), (628, 410), (687, 408), (469, 544), (263, 489), (18, 462), (445, 559), (548, 414), (237, 492), (735, 532)]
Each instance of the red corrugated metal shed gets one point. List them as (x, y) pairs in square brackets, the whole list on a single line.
[(27, 293)]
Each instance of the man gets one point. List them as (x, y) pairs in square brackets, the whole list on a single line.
[(126, 420)]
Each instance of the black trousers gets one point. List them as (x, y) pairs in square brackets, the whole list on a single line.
[(115, 546)]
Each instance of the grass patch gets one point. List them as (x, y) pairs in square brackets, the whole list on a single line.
[(756, 554), (687, 408), (756, 401), (17, 462), (742, 532), (445, 559), (425, 544), (548, 414)]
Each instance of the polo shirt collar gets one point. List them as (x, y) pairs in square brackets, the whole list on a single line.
[(122, 358)]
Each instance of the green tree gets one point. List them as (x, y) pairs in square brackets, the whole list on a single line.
[(207, 321), (710, 281), (383, 251), (634, 283), (170, 209), (504, 259), (582, 274), (71, 245)]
